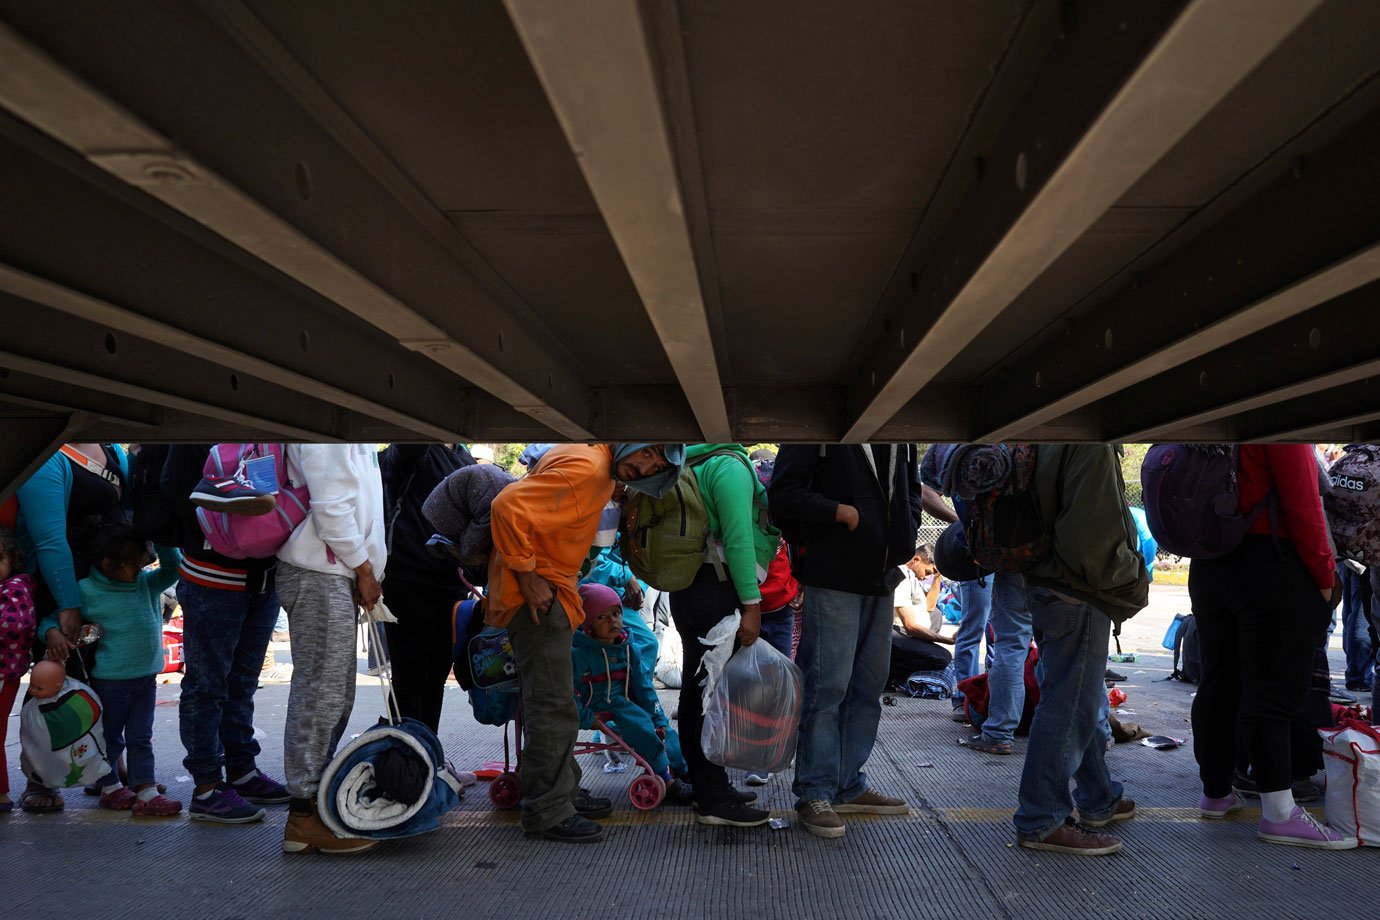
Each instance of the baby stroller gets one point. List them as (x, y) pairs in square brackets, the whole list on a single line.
[(486, 658)]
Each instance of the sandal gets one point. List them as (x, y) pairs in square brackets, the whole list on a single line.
[(39, 801), (976, 743), (160, 806), (121, 798)]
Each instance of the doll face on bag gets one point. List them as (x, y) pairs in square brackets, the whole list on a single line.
[(46, 680)]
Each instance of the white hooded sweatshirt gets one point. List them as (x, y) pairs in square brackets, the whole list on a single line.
[(345, 526)]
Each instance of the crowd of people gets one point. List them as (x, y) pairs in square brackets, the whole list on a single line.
[(831, 577)]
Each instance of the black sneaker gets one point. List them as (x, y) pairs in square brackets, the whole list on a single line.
[(575, 829), (742, 795), (589, 805), (1114, 675), (233, 495), (731, 814)]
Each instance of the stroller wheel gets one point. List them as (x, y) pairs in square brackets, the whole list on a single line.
[(505, 791), (646, 792)]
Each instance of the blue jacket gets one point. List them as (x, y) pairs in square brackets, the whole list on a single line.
[(42, 525), (810, 482), (131, 617), (607, 677)]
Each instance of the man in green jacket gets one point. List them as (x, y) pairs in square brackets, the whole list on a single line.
[(1093, 576), (736, 560)]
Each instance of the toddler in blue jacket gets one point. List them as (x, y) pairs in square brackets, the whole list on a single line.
[(608, 679), (126, 601)]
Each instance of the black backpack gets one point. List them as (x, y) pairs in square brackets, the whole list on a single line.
[(1188, 652), (155, 511)]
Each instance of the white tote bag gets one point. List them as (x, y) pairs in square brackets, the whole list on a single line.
[(1352, 750)]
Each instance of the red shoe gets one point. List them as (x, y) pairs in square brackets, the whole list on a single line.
[(160, 806), (122, 798)]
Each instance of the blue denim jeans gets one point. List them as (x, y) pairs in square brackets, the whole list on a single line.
[(1010, 619), (778, 627), (1064, 739), (225, 635), (127, 718), (975, 600), (845, 655), (1356, 628)]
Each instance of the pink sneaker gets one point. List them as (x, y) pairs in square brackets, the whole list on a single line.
[(1303, 830), (1220, 808)]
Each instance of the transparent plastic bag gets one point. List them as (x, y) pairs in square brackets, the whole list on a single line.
[(752, 712)]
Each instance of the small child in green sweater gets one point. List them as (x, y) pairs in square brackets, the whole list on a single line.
[(126, 601)]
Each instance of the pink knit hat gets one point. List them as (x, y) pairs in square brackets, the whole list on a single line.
[(598, 598)]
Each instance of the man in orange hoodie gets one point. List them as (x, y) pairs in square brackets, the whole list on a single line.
[(543, 526)]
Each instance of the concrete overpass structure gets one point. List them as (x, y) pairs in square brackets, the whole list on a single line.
[(694, 220)]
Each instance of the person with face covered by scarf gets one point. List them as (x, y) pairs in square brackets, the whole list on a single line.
[(543, 526)]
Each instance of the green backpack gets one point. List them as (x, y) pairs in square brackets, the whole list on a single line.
[(664, 539)]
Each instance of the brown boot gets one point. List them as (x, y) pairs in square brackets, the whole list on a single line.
[(307, 833)]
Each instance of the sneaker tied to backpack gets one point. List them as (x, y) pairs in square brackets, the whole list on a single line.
[(1214, 808), (232, 494), (872, 802), (819, 818), (223, 805), (1303, 830), (1075, 841)]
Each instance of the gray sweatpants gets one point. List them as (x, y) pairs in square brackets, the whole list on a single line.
[(321, 629)]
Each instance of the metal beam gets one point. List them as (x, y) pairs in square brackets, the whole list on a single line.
[(1207, 50), (46, 395), (30, 441), (1309, 236), (1344, 407), (43, 92), (1327, 347), (74, 303), (595, 64)]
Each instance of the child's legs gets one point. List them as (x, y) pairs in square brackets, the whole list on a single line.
[(635, 727), (116, 699), (673, 752), (8, 690), (139, 731)]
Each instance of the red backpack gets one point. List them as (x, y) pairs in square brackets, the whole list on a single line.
[(258, 536)]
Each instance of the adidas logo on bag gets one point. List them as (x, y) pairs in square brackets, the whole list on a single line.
[(1346, 482)]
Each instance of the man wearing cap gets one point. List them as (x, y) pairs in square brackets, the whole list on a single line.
[(543, 526)]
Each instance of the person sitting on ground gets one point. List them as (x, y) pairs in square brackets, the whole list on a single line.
[(610, 684), (916, 640), (125, 600)]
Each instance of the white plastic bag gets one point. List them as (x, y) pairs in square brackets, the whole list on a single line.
[(668, 664), (752, 712), (1352, 803), (61, 739)]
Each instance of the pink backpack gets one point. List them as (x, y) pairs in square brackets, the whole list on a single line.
[(258, 536)]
